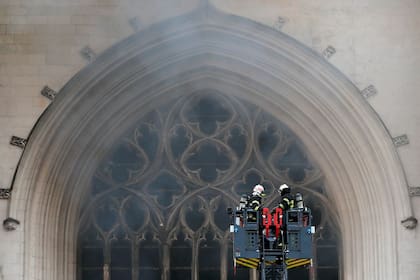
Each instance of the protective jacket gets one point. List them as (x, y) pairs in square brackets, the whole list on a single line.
[(287, 200), (254, 201)]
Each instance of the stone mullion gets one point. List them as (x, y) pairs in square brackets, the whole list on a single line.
[(166, 261), (314, 268), (107, 259), (134, 259), (195, 251), (224, 246)]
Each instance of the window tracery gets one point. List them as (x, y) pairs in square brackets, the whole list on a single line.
[(157, 204)]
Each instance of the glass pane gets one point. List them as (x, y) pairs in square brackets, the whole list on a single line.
[(300, 273), (328, 274), (92, 274), (209, 253), (181, 257), (92, 257), (120, 274), (149, 274), (149, 257), (209, 274), (327, 256), (180, 274), (120, 257), (240, 274)]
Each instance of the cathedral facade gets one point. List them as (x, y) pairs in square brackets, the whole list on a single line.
[(129, 127)]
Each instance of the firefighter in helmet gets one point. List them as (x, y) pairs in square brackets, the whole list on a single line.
[(255, 199), (287, 200)]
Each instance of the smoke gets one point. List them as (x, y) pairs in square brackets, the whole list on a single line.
[(101, 23)]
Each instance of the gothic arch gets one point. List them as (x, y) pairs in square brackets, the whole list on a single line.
[(164, 187), (211, 50)]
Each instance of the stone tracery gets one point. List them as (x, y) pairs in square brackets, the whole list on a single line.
[(170, 179), (321, 106)]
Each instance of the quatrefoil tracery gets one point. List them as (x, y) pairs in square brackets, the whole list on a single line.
[(171, 177)]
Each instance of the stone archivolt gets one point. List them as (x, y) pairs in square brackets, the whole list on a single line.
[(211, 50)]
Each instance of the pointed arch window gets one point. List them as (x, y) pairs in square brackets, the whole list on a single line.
[(157, 204)]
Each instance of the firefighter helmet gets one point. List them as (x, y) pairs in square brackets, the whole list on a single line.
[(284, 188), (258, 189)]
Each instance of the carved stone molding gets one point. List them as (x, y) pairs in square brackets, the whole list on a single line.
[(88, 54), (400, 140), (369, 91), (10, 224), (5, 193), (414, 191), (279, 23), (48, 93), (18, 142), (329, 52), (410, 222)]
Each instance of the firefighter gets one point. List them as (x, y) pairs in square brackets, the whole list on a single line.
[(287, 200), (255, 199)]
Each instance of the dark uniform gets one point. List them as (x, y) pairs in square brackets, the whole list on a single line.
[(254, 201), (287, 201)]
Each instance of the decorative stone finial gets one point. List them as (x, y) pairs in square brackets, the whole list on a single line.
[(10, 224), (409, 223)]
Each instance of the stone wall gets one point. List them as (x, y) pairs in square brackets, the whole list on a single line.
[(372, 42)]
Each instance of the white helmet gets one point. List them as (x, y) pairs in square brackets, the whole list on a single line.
[(283, 187), (258, 189)]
